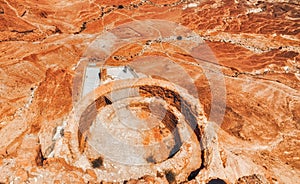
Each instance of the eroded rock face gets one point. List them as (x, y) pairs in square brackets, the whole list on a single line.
[(239, 58)]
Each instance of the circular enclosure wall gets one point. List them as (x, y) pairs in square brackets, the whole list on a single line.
[(136, 127)]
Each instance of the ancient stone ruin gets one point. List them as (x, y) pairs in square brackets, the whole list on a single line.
[(148, 91)]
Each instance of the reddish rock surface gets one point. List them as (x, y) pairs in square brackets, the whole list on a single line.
[(256, 45)]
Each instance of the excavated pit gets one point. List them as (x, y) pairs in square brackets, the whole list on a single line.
[(141, 129)]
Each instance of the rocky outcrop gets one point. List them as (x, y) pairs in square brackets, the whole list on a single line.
[(239, 58)]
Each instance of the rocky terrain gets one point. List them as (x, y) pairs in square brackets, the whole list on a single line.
[(240, 58)]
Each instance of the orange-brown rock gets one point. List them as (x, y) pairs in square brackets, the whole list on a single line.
[(255, 44)]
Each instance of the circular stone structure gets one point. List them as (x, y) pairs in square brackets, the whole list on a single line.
[(130, 128)]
